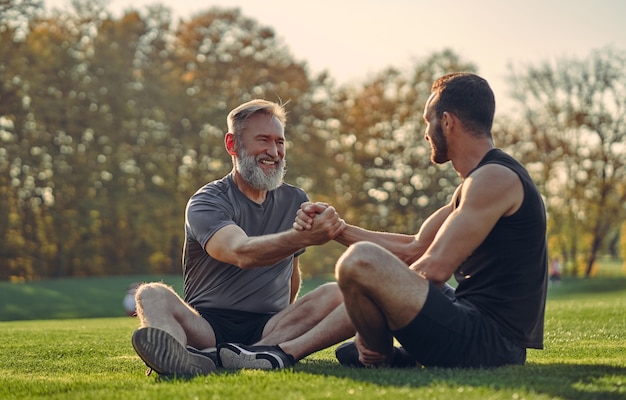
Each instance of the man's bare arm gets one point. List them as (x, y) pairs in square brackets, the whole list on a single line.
[(489, 194), (231, 244), (407, 247)]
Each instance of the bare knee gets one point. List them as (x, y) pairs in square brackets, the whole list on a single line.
[(154, 295), (356, 263), (330, 291), (323, 299)]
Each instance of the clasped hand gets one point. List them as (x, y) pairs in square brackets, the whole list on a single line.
[(319, 217)]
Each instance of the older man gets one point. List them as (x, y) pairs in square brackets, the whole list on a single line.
[(240, 259)]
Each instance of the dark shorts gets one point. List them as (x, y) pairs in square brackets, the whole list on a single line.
[(232, 326), (452, 333)]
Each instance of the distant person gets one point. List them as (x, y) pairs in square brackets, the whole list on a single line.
[(491, 237), (240, 258), (129, 300), (555, 271)]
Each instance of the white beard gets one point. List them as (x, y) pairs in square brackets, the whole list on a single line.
[(248, 168)]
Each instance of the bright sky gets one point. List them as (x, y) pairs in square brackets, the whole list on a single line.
[(354, 38)]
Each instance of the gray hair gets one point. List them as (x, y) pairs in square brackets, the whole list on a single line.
[(238, 117)]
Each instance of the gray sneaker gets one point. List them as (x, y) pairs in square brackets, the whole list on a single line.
[(239, 356), (167, 356)]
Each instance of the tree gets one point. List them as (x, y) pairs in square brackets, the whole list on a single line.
[(393, 185), (572, 135), (109, 125)]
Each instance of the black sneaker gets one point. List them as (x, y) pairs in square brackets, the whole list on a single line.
[(238, 356), (348, 356), (167, 356)]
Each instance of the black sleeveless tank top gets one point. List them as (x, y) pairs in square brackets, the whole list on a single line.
[(506, 276)]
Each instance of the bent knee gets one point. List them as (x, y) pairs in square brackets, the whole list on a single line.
[(320, 301), (356, 261), (153, 291), (331, 292)]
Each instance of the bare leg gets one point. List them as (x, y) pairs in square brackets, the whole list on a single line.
[(380, 293), (316, 321), (303, 314), (160, 307), (333, 329)]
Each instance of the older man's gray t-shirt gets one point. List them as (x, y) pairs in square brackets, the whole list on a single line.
[(209, 283)]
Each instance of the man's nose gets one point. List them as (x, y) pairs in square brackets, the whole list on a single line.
[(273, 150)]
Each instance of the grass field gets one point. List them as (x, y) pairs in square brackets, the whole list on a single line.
[(70, 298), (92, 358)]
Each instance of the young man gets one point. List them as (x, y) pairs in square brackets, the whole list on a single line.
[(240, 258), (490, 237)]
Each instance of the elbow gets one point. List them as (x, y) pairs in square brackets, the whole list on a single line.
[(246, 263), (237, 256), (437, 271), (438, 280)]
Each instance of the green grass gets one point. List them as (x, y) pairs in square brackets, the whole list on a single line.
[(69, 298), (584, 358)]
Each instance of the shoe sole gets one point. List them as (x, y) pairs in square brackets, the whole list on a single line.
[(348, 355), (235, 357), (164, 354)]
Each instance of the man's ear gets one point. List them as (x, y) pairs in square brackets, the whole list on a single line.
[(448, 120), (229, 143)]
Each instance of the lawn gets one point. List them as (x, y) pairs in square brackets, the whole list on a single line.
[(70, 298), (92, 358)]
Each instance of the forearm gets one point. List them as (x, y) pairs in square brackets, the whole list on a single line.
[(403, 246), (233, 246), (408, 248), (262, 251), (429, 229)]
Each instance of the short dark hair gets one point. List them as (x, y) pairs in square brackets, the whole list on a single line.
[(467, 96)]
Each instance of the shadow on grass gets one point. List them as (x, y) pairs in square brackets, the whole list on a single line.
[(569, 381)]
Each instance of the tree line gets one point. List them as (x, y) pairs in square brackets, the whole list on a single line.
[(108, 125)]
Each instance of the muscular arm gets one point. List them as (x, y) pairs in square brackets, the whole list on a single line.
[(231, 244), (407, 247), (489, 194), (397, 243)]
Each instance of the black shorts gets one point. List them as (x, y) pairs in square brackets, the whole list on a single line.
[(452, 333), (233, 326)]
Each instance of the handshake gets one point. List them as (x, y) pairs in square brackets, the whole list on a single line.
[(320, 218)]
